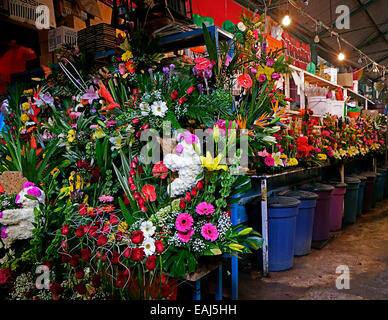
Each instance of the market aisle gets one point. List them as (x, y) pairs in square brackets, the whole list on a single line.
[(363, 247)]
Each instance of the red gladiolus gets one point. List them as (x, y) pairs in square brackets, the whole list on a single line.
[(102, 239), (245, 81), (138, 254), (201, 63), (143, 209), (136, 195), (200, 185), (190, 90), (182, 204), (188, 197), (64, 244), (135, 120), (145, 126), (160, 170), (174, 95), (151, 263), (159, 247), (65, 229), (194, 192), (182, 100), (85, 254), (137, 237), (149, 192), (132, 187)]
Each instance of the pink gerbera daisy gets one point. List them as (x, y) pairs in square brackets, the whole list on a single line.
[(209, 232), (204, 209), (185, 237), (184, 222)]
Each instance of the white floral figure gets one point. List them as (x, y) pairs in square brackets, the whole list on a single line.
[(187, 164), (147, 228), (149, 246), (144, 108), (159, 108)]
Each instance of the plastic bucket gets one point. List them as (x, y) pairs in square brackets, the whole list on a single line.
[(282, 213), (351, 199), (383, 183), (361, 191), (376, 188), (337, 205), (304, 220), (321, 226), (368, 192)]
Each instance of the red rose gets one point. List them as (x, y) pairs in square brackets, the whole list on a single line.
[(159, 247), (194, 192), (96, 281), (121, 280), (74, 261), (145, 126), (115, 258), (65, 229), (151, 263), (135, 120), (165, 291), (113, 220), (5, 275), (66, 257), (83, 164), (138, 254), (79, 273), (119, 236), (102, 239), (137, 237), (188, 197), (80, 288), (182, 100), (127, 252), (56, 289), (190, 90), (85, 254), (83, 209), (182, 204)]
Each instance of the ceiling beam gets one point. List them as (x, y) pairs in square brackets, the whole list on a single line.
[(367, 43), (382, 59), (351, 14)]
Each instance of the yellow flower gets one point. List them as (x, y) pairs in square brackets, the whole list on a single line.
[(322, 156), (24, 117), (22, 128), (212, 164), (99, 133), (277, 159), (54, 171), (292, 162), (123, 226), (112, 237), (127, 55), (79, 181), (268, 71), (65, 190), (283, 156), (26, 106), (8, 158), (71, 135)]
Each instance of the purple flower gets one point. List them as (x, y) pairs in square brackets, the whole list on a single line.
[(4, 233), (104, 198), (275, 76), (17, 199), (208, 73), (35, 192), (28, 184), (172, 66), (228, 60), (200, 88), (47, 98), (190, 138), (262, 78), (90, 95), (1, 215), (166, 70), (269, 62), (264, 47), (253, 71), (196, 72)]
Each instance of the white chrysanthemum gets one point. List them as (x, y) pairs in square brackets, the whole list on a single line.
[(144, 108), (159, 108), (149, 246), (147, 228), (241, 26)]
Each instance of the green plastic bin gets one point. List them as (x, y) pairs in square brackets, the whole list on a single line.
[(351, 199)]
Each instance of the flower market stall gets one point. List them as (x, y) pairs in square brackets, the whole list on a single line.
[(128, 179)]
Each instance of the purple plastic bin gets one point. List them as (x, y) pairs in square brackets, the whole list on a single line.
[(321, 227), (337, 205)]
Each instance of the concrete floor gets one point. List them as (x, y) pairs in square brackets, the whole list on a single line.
[(363, 247)]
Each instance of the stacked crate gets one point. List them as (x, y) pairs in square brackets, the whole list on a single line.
[(97, 38)]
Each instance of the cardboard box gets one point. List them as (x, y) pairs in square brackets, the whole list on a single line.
[(345, 80)]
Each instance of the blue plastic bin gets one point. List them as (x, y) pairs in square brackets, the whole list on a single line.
[(282, 213), (361, 191), (304, 220)]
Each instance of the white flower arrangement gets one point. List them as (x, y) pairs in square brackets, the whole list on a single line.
[(159, 108)]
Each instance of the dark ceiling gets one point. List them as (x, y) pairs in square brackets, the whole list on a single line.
[(368, 27)]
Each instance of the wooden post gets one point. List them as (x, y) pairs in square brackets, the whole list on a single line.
[(342, 172), (374, 164)]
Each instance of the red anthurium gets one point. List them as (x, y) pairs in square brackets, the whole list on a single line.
[(202, 63), (245, 81), (149, 192)]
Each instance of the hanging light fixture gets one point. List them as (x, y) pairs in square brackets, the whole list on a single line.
[(286, 21), (341, 55)]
